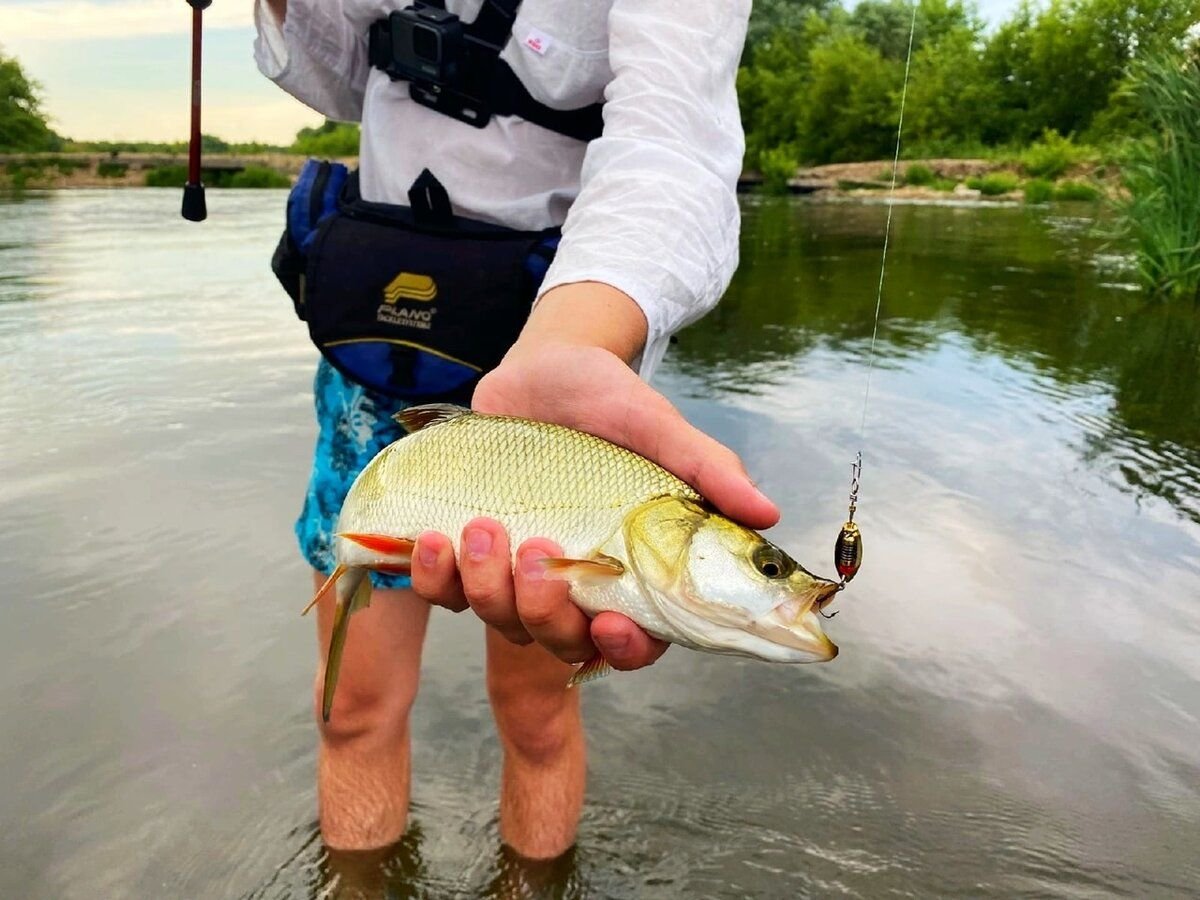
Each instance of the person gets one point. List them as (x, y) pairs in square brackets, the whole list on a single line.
[(649, 242)]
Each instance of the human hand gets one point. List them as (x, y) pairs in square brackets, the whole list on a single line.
[(570, 367)]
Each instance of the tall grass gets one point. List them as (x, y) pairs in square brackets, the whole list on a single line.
[(1162, 174)]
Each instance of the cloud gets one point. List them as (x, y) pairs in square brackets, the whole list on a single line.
[(69, 20)]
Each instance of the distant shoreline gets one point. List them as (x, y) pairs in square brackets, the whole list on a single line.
[(951, 178)]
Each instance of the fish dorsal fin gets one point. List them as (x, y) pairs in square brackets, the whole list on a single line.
[(417, 417)]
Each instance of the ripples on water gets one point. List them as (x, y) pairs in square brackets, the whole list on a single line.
[(1015, 710)]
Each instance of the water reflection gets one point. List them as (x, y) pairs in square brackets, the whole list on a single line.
[(1013, 282)]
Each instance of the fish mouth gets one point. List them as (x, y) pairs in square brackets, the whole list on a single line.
[(796, 623)]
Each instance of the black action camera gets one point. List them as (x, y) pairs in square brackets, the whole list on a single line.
[(426, 44)]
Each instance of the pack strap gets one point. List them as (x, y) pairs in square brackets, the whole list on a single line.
[(488, 85)]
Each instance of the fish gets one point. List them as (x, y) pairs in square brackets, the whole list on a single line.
[(636, 539)]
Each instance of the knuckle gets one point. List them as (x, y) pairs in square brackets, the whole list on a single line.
[(486, 594), (537, 614)]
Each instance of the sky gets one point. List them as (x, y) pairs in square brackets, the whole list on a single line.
[(119, 69)]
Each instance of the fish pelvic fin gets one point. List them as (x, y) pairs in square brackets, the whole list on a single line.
[(337, 573), (354, 593), (400, 549), (598, 566), (596, 667), (417, 417)]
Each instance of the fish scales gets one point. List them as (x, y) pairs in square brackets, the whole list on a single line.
[(535, 478)]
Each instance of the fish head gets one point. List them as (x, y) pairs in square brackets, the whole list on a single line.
[(728, 589)]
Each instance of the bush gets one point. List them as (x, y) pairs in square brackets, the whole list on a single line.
[(1075, 190), (167, 176), (1038, 191), (997, 183), (258, 177), (109, 169), (331, 139), (1162, 174), (1051, 156), (778, 166), (918, 174)]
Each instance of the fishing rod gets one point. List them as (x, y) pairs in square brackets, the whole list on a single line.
[(848, 549), (194, 207)]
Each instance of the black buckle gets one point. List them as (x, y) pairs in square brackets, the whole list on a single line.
[(450, 102)]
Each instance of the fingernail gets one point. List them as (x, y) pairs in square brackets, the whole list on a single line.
[(612, 644), (426, 554), (531, 565), (479, 543)]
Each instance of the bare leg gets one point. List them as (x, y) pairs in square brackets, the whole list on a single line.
[(541, 732), (363, 761)]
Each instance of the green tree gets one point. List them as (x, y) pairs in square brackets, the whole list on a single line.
[(769, 18), (1059, 67), (328, 139), (850, 101), (770, 92), (951, 104), (22, 124)]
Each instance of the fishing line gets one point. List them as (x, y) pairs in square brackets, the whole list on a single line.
[(847, 551)]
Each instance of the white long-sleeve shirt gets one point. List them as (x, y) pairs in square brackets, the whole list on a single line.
[(649, 207)]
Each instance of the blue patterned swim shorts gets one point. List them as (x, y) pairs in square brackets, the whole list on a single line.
[(353, 424)]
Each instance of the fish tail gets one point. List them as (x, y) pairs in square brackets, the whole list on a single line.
[(353, 594)]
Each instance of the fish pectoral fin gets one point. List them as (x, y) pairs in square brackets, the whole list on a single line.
[(599, 565), (337, 573), (382, 543), (417, 417), (355, 596), (596, 667)]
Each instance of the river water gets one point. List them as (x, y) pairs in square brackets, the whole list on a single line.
[(1014, 711)]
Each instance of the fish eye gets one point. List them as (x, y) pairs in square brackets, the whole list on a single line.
[(772, 563)]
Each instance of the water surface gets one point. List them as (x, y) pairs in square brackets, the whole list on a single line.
[(1015, 709)]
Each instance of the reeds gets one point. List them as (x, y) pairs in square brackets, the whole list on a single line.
[(1162, 174)]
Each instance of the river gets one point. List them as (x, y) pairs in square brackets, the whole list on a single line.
[(1016, 706)]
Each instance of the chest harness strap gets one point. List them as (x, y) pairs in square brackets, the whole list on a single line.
[(455, 67)]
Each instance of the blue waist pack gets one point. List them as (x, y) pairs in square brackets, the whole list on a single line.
[(411, 301)]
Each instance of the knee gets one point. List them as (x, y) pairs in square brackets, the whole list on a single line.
[(539, 726), (363, 713)]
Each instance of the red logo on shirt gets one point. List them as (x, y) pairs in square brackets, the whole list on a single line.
[(534, 43)]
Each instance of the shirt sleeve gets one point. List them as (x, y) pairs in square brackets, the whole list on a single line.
[(657, 214), (318, 55)]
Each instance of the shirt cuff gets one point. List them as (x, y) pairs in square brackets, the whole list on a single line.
[(658, 325)]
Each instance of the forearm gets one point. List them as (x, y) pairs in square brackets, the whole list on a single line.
[(587, 313), (278, 9)]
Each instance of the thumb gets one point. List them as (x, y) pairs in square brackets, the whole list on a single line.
[(657, 430)]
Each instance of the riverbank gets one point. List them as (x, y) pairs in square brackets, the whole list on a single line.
[(931, 179)]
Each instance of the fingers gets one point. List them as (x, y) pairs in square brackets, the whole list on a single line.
[(434, 573), (545, 608), (623, 643), (523, 605), (486, 571)]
